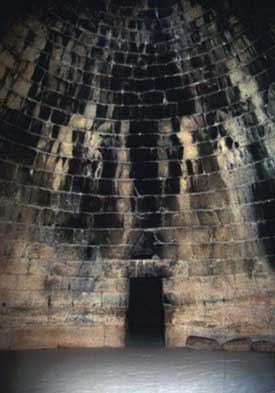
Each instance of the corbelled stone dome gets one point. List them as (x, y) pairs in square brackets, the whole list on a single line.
[(137, 140)]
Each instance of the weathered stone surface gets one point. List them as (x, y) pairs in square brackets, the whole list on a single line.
[(5, 339), (237, 345), (263, 346), (81, 336), (136, 140), (202, 344), (34, 338), (114, 336), (62, 336), (175, 336)]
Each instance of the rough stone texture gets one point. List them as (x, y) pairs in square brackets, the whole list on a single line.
[(237, 345), (114, 336), (202, 344), (137, 139), (44, 337), (263, 346)]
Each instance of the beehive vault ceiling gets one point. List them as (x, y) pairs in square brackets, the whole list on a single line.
[(137, 138)]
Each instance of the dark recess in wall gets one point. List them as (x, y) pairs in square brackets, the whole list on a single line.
[(146, 313)]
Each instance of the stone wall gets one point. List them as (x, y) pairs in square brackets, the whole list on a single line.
[(136, 138)]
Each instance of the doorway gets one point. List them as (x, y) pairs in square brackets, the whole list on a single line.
[(145, 313)]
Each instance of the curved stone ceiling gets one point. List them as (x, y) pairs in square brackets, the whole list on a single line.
[(139, 130)]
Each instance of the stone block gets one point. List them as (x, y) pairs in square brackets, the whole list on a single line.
[(237, 345), (109, 285), (114, 299), (81, 336), (263, 346), (21, 282), (34, 338), (86, 300), (202, 344), (42, 252), (12, 265), (5, 339), (114, 336), (82, 284), (21, 87), (175, 336)]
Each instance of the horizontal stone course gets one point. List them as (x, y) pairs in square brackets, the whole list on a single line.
[(136, 140)]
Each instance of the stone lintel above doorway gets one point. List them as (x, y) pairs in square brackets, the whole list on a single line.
[(155, 268)]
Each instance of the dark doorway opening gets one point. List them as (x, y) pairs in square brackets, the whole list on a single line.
[(146, 313)]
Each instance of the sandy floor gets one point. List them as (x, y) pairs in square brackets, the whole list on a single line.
[(136, 371)]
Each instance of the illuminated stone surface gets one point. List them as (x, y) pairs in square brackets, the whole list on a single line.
[(136, 139)]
